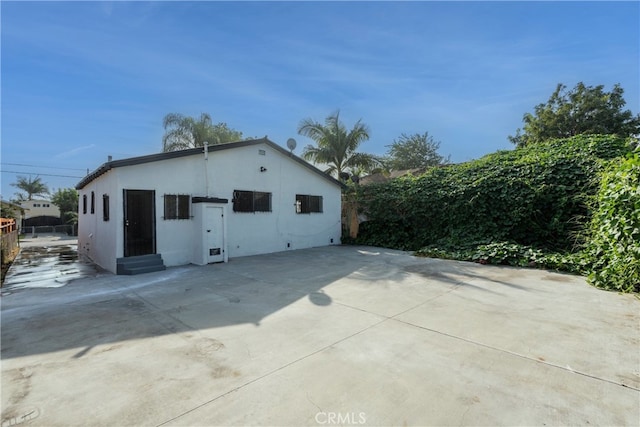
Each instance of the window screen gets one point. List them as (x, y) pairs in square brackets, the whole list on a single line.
[(251, 201), (176, 206)]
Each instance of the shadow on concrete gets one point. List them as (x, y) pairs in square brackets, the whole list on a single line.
[(452, 271), (108, 308)]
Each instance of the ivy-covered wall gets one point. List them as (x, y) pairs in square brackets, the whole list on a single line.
[(614, 239), (537, 195)]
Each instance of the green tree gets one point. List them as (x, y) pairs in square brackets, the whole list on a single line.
[(413, 152), (336, 147), (9, 210), (32, 187), (581, 110), (67, 200), (182, 132)]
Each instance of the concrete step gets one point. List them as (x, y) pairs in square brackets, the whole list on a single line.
[(139, 264), (141, 270), (139, 258)]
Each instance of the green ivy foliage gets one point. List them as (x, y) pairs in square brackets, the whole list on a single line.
[(513, 254), (536, 196), (614, 246), (569, 205)]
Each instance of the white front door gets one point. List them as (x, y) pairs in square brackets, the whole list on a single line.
[(214, 234)]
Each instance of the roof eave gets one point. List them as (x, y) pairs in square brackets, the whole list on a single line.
[(106, 167)]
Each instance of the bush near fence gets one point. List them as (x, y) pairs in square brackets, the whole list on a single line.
[(9, 232)]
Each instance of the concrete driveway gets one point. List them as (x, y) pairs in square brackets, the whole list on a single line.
[(329, 336), (46, 261)]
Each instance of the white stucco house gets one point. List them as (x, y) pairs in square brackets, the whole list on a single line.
[(202, 206), (40, 212)]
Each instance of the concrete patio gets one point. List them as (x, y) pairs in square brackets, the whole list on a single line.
[(329, 336)]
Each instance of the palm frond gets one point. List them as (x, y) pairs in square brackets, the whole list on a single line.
[(330, 170), (312, 129), (362, 160), (335, 145), (31, 186), (313, 154), (357, 135)]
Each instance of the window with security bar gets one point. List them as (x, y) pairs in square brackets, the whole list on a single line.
[(251, 201), (306, 203), (176, 206)]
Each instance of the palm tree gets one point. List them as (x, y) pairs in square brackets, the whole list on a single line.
[(33, 187), (335, 146), (182, 132)]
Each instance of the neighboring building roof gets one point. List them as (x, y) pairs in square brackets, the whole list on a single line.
[(7, 203), (105, 167)]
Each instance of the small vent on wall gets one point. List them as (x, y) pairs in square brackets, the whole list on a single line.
[(262, 152)]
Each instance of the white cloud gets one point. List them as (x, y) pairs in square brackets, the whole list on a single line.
[(73, 152)]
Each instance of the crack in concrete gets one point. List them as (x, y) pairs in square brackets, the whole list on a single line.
[(455, 287), (522, 356)]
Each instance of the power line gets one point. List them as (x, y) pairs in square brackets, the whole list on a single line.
[(44, 174), (41, 166)]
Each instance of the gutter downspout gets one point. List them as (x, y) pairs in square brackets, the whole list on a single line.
[(206, 167)]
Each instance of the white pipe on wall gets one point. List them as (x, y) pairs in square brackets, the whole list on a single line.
[(206, 167)]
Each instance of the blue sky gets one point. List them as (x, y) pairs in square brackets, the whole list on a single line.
[(84, 80)]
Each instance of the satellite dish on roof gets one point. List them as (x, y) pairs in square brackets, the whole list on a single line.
[(291, 143)]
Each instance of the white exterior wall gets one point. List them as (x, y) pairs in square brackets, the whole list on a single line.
[(178, 241), (34, 208), (98, 239), (174, 238), (265, 232)]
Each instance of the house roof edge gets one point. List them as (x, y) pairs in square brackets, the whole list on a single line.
[(131, 161)]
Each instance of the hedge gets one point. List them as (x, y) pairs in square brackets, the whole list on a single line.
[(614, 246), (536, 196)]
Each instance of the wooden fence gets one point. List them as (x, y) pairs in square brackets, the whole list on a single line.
[(9, 233)]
